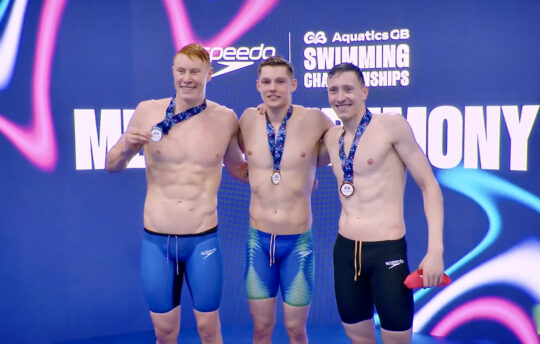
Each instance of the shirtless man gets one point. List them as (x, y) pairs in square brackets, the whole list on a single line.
[(184, 151), (370, 260), (279, 249)]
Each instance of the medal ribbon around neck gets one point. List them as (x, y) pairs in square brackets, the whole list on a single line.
[(347, 163), (276, 144), (172, 119)]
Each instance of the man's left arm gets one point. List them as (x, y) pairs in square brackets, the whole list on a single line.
[(418, 166)]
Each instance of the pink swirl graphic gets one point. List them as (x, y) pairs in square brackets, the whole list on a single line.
[(37, 140), (496, 309)]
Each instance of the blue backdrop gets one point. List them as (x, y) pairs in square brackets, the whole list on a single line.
[(465, 73)]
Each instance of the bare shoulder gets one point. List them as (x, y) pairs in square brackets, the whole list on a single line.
[(312, 111), (149, 111), (153, 104), (331, 135), (390, 118), (248, 115), (396, 126), (222, 111), (218, 108), (390, 121), (315, 115)]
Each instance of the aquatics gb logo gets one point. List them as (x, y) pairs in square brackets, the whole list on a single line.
[(315, 38)]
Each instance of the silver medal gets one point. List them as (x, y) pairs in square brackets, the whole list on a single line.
[(156, 134)]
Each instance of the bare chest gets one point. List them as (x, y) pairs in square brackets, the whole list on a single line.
[(373, 152), (299, 148), (197, 141)]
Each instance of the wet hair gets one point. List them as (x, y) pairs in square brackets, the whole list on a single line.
[(276, 61), (194, 50), (347, 67)]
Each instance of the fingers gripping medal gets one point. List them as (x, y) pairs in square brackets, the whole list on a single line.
[(347, 187), (276, 144), (162, 128)]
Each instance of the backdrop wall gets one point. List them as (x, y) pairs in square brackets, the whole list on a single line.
[(466, 74)]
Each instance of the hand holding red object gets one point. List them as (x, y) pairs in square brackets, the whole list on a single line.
[(415, 280)]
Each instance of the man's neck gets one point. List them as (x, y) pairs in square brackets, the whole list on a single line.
[(350, 125), (276, 115), (183, 104)]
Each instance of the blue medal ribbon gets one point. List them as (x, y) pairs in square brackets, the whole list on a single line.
[(172, 119), (276, 144), (347, 162)]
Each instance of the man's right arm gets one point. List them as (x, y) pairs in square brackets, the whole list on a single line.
[(323, 159), (234, 160), (128, 146)]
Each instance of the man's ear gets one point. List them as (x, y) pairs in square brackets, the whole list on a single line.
[(294, 85)]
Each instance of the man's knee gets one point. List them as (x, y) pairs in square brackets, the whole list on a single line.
[(166, 332), (208, 333), (208, 326), (296, 330), (396, 337), (362, 332), (166, 335), (263, 327)]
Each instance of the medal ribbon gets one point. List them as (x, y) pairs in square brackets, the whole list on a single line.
[(172, 119), (347, 163), (276, 144)]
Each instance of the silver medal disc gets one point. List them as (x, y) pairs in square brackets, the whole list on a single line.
[(156, 134), (276, 178), (346, 189)]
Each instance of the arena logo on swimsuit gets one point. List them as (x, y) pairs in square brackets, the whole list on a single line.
[(448, 135), (237, 58)]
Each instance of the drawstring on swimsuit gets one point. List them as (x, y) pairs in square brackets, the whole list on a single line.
[(167, 258), (357, 259), (177, 271), (272, 250), (176, 258)]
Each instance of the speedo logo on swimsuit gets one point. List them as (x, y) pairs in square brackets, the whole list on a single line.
[(304, 254), (208, 253), (393, 263), (234, 58)]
